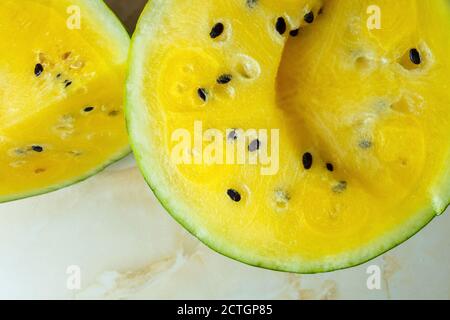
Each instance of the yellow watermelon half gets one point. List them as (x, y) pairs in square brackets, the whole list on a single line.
[(351, 97)]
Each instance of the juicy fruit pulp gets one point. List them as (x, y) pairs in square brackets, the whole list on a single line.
[(364, 132), (62, 73)]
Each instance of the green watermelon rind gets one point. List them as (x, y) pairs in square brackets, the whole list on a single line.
[(90, 174), (161, 189), (113, 24)]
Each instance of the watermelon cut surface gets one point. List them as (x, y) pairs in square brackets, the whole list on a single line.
[(361, 111), (62, 76)]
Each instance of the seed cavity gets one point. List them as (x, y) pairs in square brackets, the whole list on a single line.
[(18, 152), (234, 195), (309, 17), (64, 131), (252, 3), (281, 25), (307, 160), (38, 69), (113, 113), (65, 127), (363, 63), (66, 55), (42, 57), (411, 60), (340, 187), (75, 153), (217, 30), (203, 94), (365, 144), (77, 65), (224, 79), (18, 163), (414, 56), (247, 67), (330, 167), (254, 145), (281, 199)]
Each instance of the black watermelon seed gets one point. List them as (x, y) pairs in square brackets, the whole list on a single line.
[(281, 25), (414, 55), (67, 83), (88, 109), (217, 30), (320, 11), (203, 94), (254, 145), (234, 195), (38, 69), (294, 33), (252, 3), (309, 17), (37, 149), (307, 160), (330, 167), (224, 79), (58, 75), (233, 135)]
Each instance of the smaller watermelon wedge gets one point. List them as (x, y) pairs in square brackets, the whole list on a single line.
[(61, 109)]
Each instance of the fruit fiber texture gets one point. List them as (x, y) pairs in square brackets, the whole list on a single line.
[(362, 113), (62, 76)]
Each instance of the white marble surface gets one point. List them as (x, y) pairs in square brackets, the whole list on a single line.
[(127, 246)]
